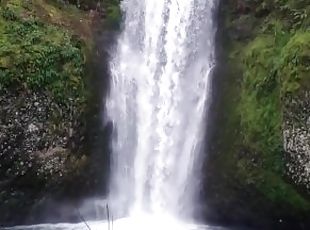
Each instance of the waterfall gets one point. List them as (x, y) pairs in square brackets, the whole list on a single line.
[(160, 83), (158, 103)]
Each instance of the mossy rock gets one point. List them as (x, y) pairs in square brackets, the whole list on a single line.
[(272, 64), (296, 63)]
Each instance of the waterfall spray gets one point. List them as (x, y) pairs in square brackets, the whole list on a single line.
[(159, 94)]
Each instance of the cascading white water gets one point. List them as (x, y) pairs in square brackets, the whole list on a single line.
[(160, 79), (159, 92)]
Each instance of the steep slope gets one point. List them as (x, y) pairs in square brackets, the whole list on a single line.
[(44, 53), (262, 141)]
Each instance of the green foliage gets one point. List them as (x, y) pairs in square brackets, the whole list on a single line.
[(114, 15), (113, 11), (8, 14), (277, 190), (295, 63), (260, 109), (39, 56), (275, 61), (111, 7)]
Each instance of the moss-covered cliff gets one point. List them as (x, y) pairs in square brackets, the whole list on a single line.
[(47, 50), (262, 142)]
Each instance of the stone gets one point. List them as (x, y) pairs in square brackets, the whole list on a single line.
[(32, 128), (296, 135)]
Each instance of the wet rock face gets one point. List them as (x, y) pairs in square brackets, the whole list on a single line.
[(37, 136), (296, 136), (38, 146)]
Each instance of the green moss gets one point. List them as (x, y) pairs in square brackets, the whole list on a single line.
[(271, 65), (295, 57), (37, 55), (279, 191), (273, 61), (272, 185), (259, 108), (114, 13)]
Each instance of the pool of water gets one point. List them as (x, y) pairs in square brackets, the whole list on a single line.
[(137, 222)]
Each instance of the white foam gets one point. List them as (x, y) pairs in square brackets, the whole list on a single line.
[(139, 221), (158, 101)]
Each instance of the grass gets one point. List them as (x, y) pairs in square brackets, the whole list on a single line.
[(36, 54)]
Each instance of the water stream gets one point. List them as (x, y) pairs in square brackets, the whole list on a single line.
[(158, 103), (159, 95)]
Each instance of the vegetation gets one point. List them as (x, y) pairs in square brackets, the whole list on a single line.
[(44, 47), (35, 55), (270, 43), (113, 12), (111, 7)]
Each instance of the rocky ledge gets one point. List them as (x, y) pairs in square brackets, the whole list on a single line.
[(38, 147), (296, 137)]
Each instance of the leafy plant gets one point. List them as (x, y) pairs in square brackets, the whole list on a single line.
[(37, 56)]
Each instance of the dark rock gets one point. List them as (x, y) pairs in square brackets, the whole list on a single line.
[(34, 148)]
